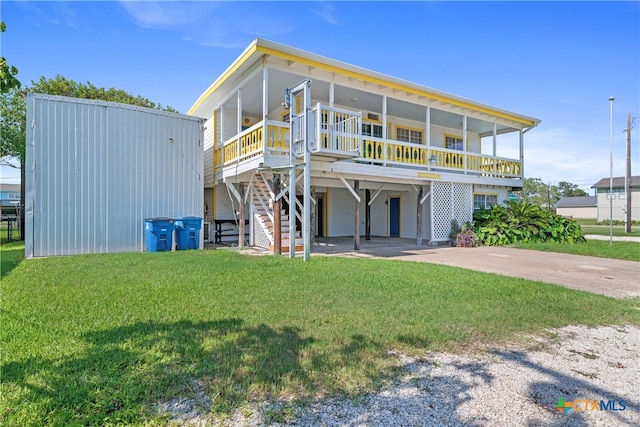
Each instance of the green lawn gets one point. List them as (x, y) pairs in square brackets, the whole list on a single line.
[(589, 226), (98, 339), (629, 251)]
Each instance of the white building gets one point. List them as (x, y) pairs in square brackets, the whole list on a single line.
[(387, 157)]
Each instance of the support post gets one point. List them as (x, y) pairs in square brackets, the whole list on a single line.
[(241, 218), (419, 218), (277, 221), (292, 209), (367, 213), (356, 218), (627, 181)]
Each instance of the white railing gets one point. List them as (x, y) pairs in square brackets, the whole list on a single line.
[(336, 130)]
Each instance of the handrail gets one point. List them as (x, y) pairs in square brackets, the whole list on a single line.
[(270, 137)]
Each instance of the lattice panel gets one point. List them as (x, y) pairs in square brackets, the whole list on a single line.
[(440, 210), (449, 201), (462, 203), (261, 239)]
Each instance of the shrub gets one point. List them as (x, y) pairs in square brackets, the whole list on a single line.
[(524, 222), (467, 238)]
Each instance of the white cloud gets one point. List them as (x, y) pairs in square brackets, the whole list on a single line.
[(326, 12), (215, 24), (166, 15), (579, 157)]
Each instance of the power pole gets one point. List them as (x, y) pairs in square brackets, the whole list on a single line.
[(627, 180)]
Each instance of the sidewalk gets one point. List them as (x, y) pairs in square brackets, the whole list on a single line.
[(615, 238)]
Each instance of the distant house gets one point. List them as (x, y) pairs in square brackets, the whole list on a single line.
[(618, 197), (578, 207), (9, 199)]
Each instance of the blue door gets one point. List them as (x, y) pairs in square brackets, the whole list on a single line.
[(394, 217)]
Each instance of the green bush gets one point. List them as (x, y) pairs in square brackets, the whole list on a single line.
[(524, 222), (617, 222)]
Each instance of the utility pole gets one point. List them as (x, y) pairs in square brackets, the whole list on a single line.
[(627, 180)]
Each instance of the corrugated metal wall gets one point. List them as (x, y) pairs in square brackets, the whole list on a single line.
[(97, 169)]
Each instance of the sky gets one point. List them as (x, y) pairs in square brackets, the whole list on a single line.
[(555, 61)]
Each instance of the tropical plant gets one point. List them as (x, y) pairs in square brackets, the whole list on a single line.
[(467, 238), (524, 222)]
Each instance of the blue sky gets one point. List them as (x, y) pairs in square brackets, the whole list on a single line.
[(556, 61)]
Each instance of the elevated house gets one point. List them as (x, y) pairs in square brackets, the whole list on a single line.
[(614, 203), (381, 156)]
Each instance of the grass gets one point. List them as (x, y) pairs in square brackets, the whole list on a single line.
[(629, 251), (589, 226), (100, 339)]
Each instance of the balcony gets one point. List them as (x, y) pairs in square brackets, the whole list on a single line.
[(335, 134)]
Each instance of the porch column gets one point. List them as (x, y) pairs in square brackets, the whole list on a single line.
[(367, 213), (384, 117), (521, 154), (495, 138), (464, 141), (332, 93), (419, 217), (356, 218), (239, 121), (239, 118), (265, 93), (428, 135)]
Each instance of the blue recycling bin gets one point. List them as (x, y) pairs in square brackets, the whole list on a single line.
[(188, 232), (158, 232)]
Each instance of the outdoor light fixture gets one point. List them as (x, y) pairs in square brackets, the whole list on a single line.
[(611, 99)]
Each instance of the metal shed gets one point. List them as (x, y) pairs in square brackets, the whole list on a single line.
[(96, 169)]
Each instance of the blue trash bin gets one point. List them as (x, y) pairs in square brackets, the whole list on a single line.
[(158, 232), (188, 232)]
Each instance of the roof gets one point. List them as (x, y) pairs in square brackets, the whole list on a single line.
[(260, 47), (10, 187), (618, 182), (577, 202)]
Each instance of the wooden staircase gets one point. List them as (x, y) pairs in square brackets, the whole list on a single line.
[(262, 201)]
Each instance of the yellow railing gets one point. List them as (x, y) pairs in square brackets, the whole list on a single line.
[(278, 136), (403, 153), (253, 142)]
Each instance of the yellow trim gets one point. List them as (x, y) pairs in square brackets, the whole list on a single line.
[(368, 120), (230, 71), (382, 82), (488, 193), (429, 175), (450, 135)]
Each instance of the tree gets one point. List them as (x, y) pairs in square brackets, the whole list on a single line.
[(13, 117), (535, 191), (567, 189), (8, 72), (539, 193)]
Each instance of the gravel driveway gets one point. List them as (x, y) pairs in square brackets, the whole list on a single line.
[(513, 386)]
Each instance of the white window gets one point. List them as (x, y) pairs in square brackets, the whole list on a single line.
[(453, 142), (484, 201), (409, 135), (370, 129)]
